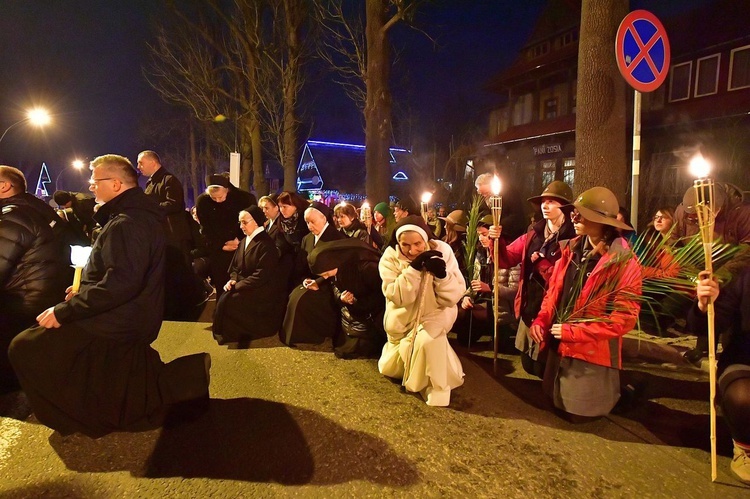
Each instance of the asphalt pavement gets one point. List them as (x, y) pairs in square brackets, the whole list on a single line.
[(299, 422)]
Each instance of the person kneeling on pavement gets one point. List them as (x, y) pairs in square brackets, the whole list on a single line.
[(89, 367), (422, 284), (732, 308)]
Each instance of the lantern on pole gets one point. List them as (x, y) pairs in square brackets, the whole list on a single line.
[(496, 205), (703, 186)]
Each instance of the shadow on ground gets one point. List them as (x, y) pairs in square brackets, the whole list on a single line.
[(245, 439), (664, 421)]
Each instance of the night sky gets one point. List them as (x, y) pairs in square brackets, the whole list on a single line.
[(82, 59)]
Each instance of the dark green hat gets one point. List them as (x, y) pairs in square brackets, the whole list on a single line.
[(558, 190)]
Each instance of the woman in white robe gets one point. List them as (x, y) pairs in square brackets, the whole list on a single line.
[(433, 367)]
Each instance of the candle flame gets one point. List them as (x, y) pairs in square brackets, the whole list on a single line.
[(426, 196), (495, 185), (79, 255)]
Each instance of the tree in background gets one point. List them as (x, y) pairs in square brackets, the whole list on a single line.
[(360, 53), (601, 152)]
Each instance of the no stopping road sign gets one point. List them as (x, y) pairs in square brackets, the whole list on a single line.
[(642, 51)]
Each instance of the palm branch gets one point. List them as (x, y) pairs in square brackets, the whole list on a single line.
[(472, 238), (676, 278)]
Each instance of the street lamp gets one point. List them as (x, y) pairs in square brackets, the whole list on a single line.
[(37, 116), (77, 164)]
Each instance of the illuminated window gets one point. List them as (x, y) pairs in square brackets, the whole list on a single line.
[(739, 68), (548, 171), (569, 171), (707, 77), (679, 83)]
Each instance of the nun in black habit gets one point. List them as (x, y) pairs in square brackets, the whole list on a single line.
[(255, 296), (311, 314), (351, 268)]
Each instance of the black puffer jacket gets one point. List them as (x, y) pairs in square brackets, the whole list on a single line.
[(34, 256), (122, 286)]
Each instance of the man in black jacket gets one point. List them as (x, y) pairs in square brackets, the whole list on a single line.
[(78, 210), (217, 210), (185, 298), (34, 262), (89, 367), (166, 189)]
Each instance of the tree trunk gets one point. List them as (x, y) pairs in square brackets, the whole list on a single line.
[(259, 178), (378, 105), (194, 179), (601, 155), (293, 11)]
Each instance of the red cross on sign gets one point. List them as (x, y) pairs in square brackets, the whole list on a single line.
[(642, 51)]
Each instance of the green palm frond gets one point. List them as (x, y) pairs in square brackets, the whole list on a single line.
[(472, 239), (677, 277)]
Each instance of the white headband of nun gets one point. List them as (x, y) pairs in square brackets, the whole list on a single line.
[(412, 227)]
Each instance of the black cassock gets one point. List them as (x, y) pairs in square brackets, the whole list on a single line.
[(254, 308), (311, 316)]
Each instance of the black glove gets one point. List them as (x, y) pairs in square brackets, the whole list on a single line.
[(419, 261), (436, 266)]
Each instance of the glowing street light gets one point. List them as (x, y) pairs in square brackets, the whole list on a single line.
[(37, 116), (77, 164)]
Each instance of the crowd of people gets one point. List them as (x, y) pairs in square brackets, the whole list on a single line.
[(388, 283)]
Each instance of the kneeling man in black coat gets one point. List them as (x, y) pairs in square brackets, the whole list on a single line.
[(89, 367)]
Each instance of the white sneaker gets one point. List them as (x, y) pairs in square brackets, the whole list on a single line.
[(437, 398), (741, 464)]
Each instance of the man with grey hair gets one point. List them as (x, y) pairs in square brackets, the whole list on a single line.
[(89, 366), (34, 262)]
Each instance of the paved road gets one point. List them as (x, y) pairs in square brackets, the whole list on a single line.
[(287, 422)]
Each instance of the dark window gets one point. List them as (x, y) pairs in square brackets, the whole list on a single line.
[(739, 70), (707, 78), (679, 84), (550, 108)]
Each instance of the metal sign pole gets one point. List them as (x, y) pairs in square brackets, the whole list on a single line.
[(636, 170)]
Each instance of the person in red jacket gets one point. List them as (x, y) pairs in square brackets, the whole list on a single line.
[(537, 251), (591, 302)]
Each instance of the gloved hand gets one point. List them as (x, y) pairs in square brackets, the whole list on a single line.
[(436, 266), (419, 262)]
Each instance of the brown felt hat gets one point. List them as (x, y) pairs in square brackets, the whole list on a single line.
[(600, 205), (459, 220)]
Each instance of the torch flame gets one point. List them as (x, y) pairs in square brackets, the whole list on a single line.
[(495, 185), (79, 255), (426, 196), (699, 167)]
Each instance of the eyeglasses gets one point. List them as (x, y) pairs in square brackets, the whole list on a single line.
[(244, 222), (95, 181), (575, 217), (659, 218)]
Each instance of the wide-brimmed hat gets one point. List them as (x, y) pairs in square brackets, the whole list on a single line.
[(486, 221), (689, 198), (600, 205), (459, 220), (558, 190)]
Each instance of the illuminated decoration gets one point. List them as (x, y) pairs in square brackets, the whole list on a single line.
[(41, 184), (308, 175), (340, 166)]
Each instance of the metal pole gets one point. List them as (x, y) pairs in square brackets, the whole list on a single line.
[(636, 159)]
